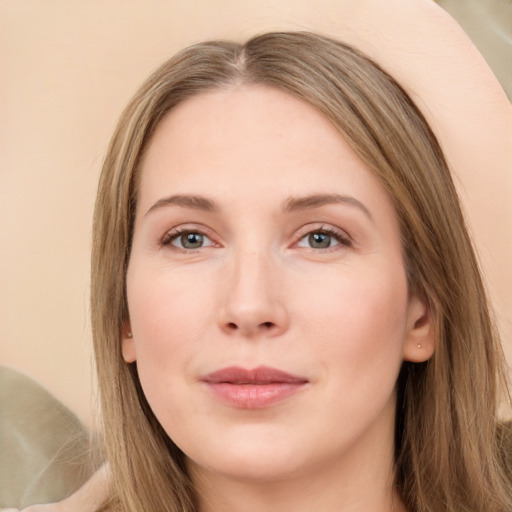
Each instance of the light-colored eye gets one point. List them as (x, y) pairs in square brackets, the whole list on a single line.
[(324, 239), (318, 240), (190, 240)]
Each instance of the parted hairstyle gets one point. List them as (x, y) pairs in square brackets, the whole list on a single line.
[(449, 449)]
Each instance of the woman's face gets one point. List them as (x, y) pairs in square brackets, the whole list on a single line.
[(266, 289)]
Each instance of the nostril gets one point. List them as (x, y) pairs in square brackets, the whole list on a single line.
[(233, 326)]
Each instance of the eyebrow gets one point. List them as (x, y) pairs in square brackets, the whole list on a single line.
[(186, 201), (292, 204)]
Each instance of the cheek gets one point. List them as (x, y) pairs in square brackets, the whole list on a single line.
[(169, 314), (359, 327), (359, 321)]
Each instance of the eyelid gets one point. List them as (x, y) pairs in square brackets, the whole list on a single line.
[(175, 232), (341, 235)]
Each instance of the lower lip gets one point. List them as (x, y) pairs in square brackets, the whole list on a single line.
[(254, 396)]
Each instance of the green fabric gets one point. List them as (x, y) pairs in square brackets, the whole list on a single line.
[(44, 449)]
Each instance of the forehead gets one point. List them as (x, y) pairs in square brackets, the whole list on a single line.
[(254, 139), (245, 114)]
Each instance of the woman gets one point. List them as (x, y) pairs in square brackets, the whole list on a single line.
[(287, 310)]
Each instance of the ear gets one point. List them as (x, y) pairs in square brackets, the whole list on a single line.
[(127, 343), (420, 340)]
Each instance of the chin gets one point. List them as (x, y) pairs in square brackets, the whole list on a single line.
[(244, 469), (250, 458)]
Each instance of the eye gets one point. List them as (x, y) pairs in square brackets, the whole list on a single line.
[(187, 240), (323, 239)]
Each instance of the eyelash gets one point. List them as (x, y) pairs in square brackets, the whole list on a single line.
[(341, 237), (174, 234)]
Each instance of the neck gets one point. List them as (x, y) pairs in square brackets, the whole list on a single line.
[(300, 495)]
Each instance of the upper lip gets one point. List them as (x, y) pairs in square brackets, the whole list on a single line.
[(257, 376)]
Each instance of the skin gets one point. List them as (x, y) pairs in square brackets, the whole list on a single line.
[(259, 291)]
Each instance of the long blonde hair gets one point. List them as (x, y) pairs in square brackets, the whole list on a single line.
[(448, 451)]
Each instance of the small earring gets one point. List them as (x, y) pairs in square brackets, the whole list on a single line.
[(419, 345), (129, 334)]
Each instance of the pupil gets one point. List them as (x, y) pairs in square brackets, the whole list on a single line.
[(192, 240), (319, 240)]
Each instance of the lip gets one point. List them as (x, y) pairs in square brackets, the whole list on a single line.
[(253, 388)]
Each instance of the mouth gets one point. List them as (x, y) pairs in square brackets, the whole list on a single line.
[(253, 388)]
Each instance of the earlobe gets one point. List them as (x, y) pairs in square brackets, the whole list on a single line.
[(127, 344), (420, 340)]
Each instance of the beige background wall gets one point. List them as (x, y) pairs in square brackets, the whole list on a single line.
[(67, 69)]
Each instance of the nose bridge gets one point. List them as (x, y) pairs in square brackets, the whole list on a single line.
[(252, 269), (252, 301)]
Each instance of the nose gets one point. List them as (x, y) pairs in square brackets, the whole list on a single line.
[(253, 303)]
